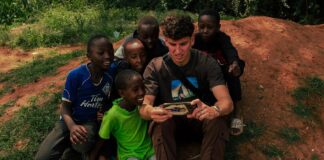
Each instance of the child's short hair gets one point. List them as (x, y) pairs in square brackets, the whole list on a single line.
[(130, 41), (210, 12), (148, 20), (177, 26), (123, 78), (96, 37)]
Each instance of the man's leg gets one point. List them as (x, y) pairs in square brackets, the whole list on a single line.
[(215, 134), (55, 143), (163, 138)]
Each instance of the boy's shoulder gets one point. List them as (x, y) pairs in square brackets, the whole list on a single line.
[(81, 70)]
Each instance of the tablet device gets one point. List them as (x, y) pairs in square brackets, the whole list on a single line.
[(179, 108)]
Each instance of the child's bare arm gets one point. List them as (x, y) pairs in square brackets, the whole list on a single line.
[(78, 134)]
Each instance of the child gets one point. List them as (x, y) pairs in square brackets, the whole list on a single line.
[(212, 41), (135, 56), (87, 90), (148, 33), (124, 122)]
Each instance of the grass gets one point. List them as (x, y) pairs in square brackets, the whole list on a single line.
[(314, 157), (272, 151), (5, 106), (31, 124), (290, 135), (251, 131), (312, 86), (32, 71), (304, 111), (308, 96)]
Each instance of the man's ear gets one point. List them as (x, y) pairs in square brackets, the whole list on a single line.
[(192, 40)]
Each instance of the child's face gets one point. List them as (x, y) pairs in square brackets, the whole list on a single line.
[(208, 27), (135, 55), (134, 92), (101, 55), (148, 35)]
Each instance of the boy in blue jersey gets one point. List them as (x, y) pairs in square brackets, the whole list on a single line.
[(87, 90), (123, 120)]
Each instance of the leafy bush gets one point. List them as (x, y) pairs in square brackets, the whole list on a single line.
[(60, 25), (4, 35)]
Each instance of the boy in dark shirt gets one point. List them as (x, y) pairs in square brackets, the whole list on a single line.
[(212, 41), (134, 56), (148, 33)]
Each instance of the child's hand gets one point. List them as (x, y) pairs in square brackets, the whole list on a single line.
[(99, 116), (159, 114), (234, 69), (78, 134)]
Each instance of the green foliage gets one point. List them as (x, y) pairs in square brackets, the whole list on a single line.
[(290, 135), (32, 71), (4, 35), (272, 151), (32, 123), (60, 25)]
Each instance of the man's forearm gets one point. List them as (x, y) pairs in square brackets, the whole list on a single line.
[(225, 106)]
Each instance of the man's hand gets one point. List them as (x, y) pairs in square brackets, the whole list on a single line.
[(203, 111), (234, 69), (159, 114), (78, 134)]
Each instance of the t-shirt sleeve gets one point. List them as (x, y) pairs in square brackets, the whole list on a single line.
[(70, 90), (106, 126), (214, 73), (150, 76)]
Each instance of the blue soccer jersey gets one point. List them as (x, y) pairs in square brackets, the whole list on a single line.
[(85, 96)]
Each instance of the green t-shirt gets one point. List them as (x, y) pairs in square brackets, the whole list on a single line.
[(130, 131)]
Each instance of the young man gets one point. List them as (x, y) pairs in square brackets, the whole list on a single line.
[(148, 33), (163, 78)]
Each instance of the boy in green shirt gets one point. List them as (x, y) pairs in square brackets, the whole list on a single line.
[(124, 122)]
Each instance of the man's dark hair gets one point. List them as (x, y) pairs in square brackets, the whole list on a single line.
[(210, 12), (123, 78), (148, 20), (177, 26), (96, 37)]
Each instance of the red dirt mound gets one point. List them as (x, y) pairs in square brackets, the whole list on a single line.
[(278, 55)]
